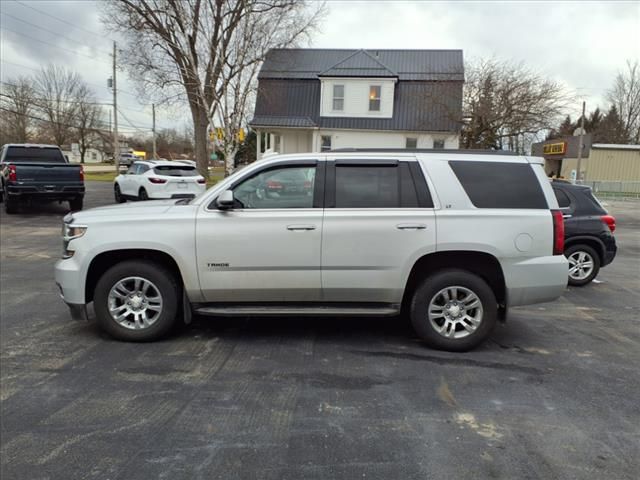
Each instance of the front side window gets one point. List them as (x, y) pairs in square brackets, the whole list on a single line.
[(284, 187), (374, 98), (325, 143), (412, 142), (438, 144), (338, 97), (132, 169)]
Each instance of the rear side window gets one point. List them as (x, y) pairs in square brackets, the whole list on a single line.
[(563, 199), (34, 154), (176, 170), (375, 186), (500, 184)]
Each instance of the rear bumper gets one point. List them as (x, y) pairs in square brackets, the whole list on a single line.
[(55, 192), (536, 280)]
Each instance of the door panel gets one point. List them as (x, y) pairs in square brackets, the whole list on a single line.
[(260, 255), (367, 254)]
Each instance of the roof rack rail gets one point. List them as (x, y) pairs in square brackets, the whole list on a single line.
[(423, 150)]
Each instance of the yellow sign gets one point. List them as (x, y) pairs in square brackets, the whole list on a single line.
[(241, 135), (140, 154), (220, 133), (554, 148)]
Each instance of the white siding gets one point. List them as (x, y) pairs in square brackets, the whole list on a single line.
[(383, 139), (356, 97)]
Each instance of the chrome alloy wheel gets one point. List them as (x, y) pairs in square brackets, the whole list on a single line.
[(580, 265), (455, 312), (135, 303)]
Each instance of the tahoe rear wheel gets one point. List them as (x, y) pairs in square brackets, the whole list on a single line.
[(136, 301), (584, 264), (453, 310)]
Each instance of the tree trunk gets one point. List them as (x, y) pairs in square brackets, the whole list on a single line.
[(230, 160), (200, 125)]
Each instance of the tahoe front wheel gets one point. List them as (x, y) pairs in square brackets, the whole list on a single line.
[(453, 310), (136, 301)]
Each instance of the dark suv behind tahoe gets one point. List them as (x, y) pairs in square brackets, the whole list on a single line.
[(589, 241)]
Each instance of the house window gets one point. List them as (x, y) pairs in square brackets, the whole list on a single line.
[(277, 144), (338, 97), (438, 144), (374, 98), (325, 143), (412, 143)]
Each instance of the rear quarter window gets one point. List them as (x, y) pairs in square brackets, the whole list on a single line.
[(500, 184)]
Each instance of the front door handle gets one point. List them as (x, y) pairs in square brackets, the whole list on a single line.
[(411, 226), (301, 227)]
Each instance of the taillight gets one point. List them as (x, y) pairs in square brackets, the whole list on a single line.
[(202, 180), (13, 177), (558, 232), (274, 185), (81, 173), (157, 180), (610, 221)]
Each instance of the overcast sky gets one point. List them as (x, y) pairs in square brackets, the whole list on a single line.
[(582, 44)]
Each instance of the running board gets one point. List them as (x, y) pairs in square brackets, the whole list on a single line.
[(385, 310)]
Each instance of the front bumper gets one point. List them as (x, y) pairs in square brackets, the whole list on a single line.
[(70, 281), (536, 280)]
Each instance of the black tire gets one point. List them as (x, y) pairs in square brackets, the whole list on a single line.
[(162, 279), (10, 204), (118, 194), (142, 195), (429, 289), (587, 251), (76, 204)]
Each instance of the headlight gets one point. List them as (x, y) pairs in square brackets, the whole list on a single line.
[(70, 232)]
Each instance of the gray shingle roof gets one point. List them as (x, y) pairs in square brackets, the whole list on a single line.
[(282, 121), (407, 64)]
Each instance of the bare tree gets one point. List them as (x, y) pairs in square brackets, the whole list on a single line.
[(508, 105), (188, 48), (16, 104), (57, 101), (88, 120), (625, 96)]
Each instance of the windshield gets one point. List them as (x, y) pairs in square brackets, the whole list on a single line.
[(176, 170), (34, 154)]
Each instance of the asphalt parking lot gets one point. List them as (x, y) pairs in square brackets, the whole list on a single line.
[(554, 394)]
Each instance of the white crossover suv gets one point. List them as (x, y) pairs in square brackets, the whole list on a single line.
[(451, 239), (152, 179)]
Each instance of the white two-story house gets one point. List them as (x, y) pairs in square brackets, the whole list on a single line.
[(312, 100)]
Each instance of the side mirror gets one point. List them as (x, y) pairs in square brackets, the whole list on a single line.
[(225, 200)]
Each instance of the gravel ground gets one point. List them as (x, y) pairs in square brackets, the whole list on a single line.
[(554, 393)]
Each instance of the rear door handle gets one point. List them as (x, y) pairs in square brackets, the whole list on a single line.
[(411, 226), (301, 227)]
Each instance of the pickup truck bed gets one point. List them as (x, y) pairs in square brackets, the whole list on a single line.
[(39, 173)]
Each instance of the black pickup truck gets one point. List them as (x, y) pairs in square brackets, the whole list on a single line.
[(38, 172)]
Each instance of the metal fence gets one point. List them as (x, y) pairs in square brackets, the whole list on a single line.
[(608, 188)]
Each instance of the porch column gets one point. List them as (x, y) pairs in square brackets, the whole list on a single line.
[(258, 142)]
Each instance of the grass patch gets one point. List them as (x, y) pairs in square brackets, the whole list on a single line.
[(100, 176)]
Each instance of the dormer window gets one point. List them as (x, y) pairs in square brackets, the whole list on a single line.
[(338, 98), (374, 98)]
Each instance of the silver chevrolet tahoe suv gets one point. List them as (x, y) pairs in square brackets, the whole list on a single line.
[(451, 239)]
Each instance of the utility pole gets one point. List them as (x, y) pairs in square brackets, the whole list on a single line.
[(153, 129), (580, 144), (116, 143)]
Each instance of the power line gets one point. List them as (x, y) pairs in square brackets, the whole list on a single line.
[(52, 32), (77, 27), (131, 124), (53, 45)]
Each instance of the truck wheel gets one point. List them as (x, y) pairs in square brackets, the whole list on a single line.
[(142, 195), (453, 310), (136, 301), (584, 264), (118, 194), (10, 205), (76, 204)]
